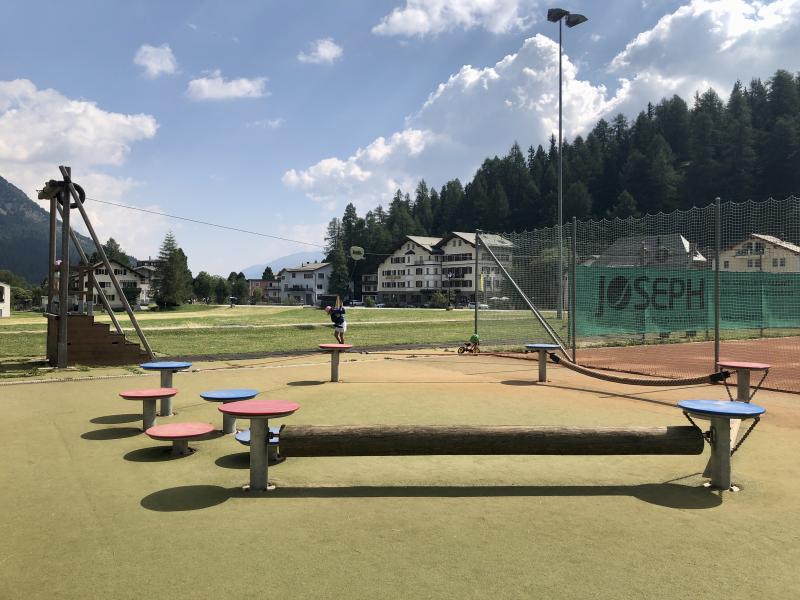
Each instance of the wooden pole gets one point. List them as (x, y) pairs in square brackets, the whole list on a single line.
[(63, 297), (410, 440)]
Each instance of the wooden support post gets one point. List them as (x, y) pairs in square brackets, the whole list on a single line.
[(335, 366), (409, 440), (63, 289)]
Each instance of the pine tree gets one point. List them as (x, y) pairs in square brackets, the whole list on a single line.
[(738, 157), (339, 282), (268, 275), (422, 209)]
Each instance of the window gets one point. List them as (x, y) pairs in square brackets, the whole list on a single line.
[(774, 262), (758, 263), (427, 271), (322, 275), (293, 275), (418, 284), (750, 262), (319, 285), (311, 275), (111, 297), (418, 272), (725, 265), (783, 262)]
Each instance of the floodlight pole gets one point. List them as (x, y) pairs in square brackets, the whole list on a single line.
[(560, 310)]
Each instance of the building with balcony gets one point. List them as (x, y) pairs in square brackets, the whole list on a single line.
[(270, 289), (422, 266), (369, 286), (763, 253), (304, 284)]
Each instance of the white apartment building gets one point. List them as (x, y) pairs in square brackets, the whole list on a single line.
[(5, 300), (306, 283), (421, 266), (761, 253)]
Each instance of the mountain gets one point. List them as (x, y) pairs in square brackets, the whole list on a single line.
[(290, 260), (24, 235)]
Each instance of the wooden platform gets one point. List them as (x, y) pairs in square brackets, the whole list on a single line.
[(90, 343)]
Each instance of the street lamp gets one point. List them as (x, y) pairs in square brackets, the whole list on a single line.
[(449, 274), (556, 15)]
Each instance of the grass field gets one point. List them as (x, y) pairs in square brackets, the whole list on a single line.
[(220, 330), (92, 508)]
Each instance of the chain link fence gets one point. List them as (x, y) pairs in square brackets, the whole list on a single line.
[(666, 294)]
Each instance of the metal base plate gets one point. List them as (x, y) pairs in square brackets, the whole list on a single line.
[(270, 487), (733, 488)]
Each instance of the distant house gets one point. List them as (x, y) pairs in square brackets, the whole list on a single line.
[(760, 252), (138, 278), (306, 283), (670, 251), (270, 289), (5, 300)]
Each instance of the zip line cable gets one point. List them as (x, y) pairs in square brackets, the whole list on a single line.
[(209, 224), (199, 222)]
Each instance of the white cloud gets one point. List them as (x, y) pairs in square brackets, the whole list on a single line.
[(156, 60), (324, 51), (267, 123), (41, 129), (45, 126), (479, 112), (215, 87), (423, 17), (708, 43), (475, 113)]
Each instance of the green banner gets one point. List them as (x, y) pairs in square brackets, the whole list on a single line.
[(644, 300)]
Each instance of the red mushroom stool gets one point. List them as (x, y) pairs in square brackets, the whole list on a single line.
[(149, 398), (743, 376), (335, 350), (180, 434)]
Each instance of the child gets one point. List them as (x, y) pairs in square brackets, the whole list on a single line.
[(339, 324)]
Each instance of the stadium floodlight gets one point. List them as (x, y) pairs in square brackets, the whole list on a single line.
[(556, 15)]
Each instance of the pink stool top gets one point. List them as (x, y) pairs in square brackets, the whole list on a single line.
[(149, 394), (753, 366), (179, 431), (335, 346), (259, 408)]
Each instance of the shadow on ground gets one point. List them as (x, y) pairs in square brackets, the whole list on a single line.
[(116, 419), (305, 383), (668, 495), (518, 382), (111, 433), (152, 454)]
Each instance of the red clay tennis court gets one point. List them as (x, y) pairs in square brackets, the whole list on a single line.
[(697, 358)]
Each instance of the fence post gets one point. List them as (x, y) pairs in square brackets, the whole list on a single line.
[(717, 246), (476, 275), (573, 292)]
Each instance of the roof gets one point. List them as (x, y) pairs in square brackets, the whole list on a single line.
[(309, 266), (777, 242), (489, 239), (649, 250), (426, 242)]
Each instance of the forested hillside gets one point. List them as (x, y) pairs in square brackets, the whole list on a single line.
[(24, 234), (674, 155)]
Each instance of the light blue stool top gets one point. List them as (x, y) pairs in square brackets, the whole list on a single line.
[(542, 346), (722, 408), (243, 437), (165, 365), (229, 395)]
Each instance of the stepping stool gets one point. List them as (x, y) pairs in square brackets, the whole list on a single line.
[(180, 434), (149, 398), (720, 413), (335, 350), (243, 437), (225, 396), (542, 350)]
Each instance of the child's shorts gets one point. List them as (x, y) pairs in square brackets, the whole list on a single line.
[(340, 328)]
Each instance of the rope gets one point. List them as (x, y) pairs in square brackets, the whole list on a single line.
[(712, 378)]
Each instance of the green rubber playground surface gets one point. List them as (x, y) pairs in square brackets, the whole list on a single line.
[(92, 508)]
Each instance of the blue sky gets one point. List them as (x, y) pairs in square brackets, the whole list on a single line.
[(271, 116)]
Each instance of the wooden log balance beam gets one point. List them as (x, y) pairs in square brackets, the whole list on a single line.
[(415, 440)]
